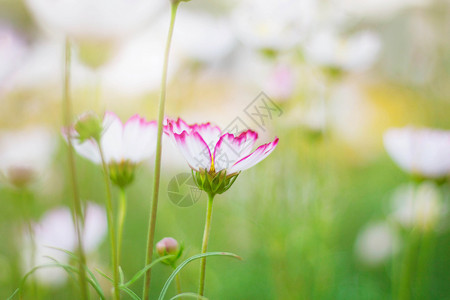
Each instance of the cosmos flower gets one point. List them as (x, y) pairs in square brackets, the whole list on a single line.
[(376, 243), (417, 206), (355, 53), (101, 19), (124, 145), (56, 229), (12, 51), (211, 153), (133, 141), (274, 25), (423, 152), (25, 154)]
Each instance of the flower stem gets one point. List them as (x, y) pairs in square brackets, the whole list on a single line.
[(77, 206), (111, 226), (408, 270), (156, 178), (201, 288), (121, 220)]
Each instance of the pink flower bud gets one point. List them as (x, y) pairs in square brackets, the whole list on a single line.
[(167, 246)]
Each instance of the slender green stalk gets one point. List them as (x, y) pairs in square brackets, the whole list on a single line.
[(409, 266), (156, 178), (111, 226), (178, 281), (77, 206), (121, 220), (201, 288)]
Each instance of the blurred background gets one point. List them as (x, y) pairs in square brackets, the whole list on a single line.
[(329, 215)]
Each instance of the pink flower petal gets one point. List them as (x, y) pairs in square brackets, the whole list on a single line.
[(250, 160), (194, 150), (229, 149)]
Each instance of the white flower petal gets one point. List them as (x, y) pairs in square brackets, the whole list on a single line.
[(139, 139), (209, 133), (112, 138), (258, 155), (88, 149), (194, 150), (229, 149), (420, 151)]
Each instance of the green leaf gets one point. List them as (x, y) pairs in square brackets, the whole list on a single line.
[(184, 263), (189, 295), (121, 275), (145, 269), (13, 294), (104, 275), (130, 293)]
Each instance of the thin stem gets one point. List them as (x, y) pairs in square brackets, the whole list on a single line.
[(409, 265), (156, 178), (178, 280), (78, 218), (111, 226), (206, 232), (121, 220)]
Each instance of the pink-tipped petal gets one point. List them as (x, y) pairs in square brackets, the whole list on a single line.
[(250, 160), (139, 139), (194, 150), (111, 140), (229, 149), (210, 134)]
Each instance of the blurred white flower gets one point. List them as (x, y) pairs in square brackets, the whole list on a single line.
[(266, 24), (425, 152), (376, 243), (12, 51), (25, 154), (355, 53), (418, 206), (56, 229), (202, 37), (379, 9), (136, 67), (99, 19)]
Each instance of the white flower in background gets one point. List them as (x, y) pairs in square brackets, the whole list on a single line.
[(376, 243), (25, 154), (266, 24), (202, 37), (424, 152), (56, 229), (99, 19), (136, 67), (417, 206), (378, 9), (12, 51), (133, 141), (355, 53)]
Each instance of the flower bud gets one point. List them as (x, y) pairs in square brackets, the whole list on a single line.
[(89, 126), (122, 173), (20, 177), (95, 53), (169, 246)]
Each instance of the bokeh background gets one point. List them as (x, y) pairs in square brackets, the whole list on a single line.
[(319, 219)]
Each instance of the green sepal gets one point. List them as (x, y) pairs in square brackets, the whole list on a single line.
[(122, 173), (214, 183)]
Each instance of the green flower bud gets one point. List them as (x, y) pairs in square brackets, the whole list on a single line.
[(89, 126), (214, 183), (122, 173), (95, 53)]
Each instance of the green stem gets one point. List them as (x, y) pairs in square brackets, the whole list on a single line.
[(156, 178), (206, 232), (111, 225), (178, 280), (121, 218), (78, 218), (409, 264)]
